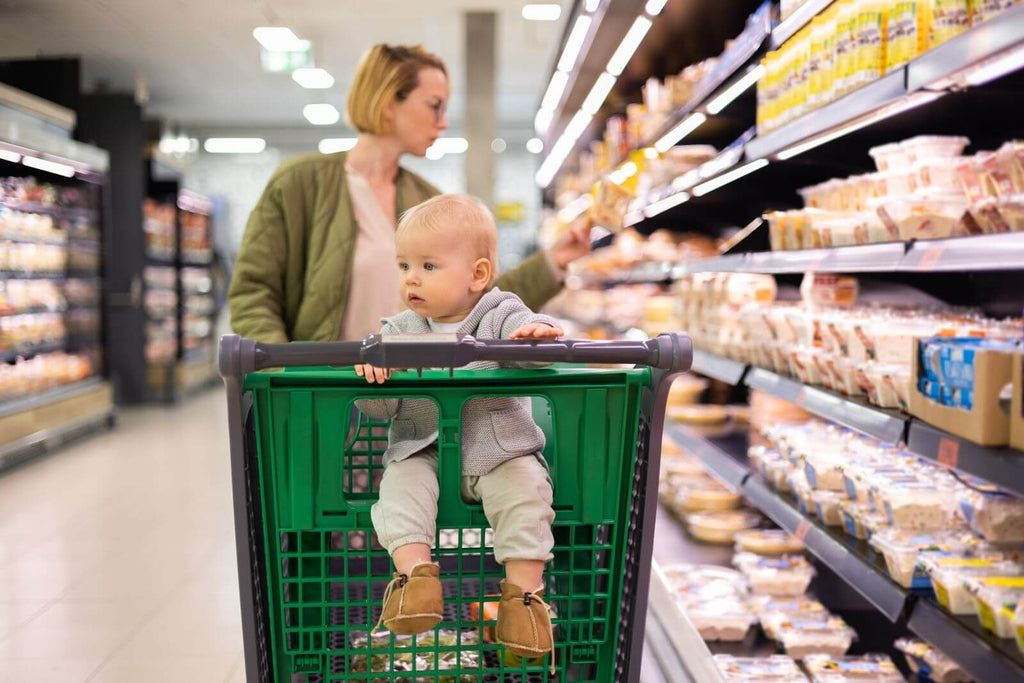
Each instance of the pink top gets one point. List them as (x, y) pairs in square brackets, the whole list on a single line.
[(374, 290)]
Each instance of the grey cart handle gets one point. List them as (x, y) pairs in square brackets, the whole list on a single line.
[(672, 352)]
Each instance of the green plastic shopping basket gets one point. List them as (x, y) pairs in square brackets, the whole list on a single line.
[(305, 470)]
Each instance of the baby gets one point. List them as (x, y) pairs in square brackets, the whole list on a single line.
[(446, 254)]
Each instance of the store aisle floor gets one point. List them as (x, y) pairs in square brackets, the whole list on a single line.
[(117, 555)]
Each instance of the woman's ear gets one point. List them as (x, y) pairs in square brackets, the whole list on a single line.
[(482, 271)]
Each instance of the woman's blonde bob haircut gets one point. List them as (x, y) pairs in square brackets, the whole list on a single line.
[(386, 73)]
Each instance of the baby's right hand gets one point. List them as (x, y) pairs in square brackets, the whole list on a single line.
[(373, 375)]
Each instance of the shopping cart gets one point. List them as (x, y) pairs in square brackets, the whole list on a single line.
[(304, 476)]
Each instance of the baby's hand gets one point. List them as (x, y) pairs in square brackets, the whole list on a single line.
[(373, 375), (537, 331)]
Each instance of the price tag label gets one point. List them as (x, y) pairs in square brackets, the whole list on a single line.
[(931, 257), (948, 452), (801, 530)]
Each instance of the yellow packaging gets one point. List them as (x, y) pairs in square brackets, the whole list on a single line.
[(828, 56), (801, 59), (815, 62), (949, 18), (907, 31), (846, 46), (871, 36)]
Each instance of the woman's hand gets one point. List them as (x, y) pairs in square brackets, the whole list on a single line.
[(537, 331), (373, 375), (573, 244)]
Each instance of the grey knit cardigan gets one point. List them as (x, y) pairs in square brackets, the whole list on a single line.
[(494, 430)]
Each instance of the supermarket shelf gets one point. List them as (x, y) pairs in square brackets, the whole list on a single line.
[(717, 367), (980, 43), (47, 275), (731, 472), (35, 207), (687, 645), (869, 258), (787, 28), (981, 252), (886, 425), (33, 240), (17, 405), (1002, 466), (25, 351), (38, 310), (866, 100), (983, 656)]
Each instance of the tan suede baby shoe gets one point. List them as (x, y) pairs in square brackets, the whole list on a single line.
[(413, 604), (524, 625)]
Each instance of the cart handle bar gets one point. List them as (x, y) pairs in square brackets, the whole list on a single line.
[(239, 356)]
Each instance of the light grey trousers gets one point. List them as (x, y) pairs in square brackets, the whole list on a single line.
[(516, 497)]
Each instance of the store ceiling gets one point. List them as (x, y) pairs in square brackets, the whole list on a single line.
[(202, 65)]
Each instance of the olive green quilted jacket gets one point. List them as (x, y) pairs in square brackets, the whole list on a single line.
[(291, 279)]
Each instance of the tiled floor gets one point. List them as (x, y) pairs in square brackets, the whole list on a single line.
[(117, 555)]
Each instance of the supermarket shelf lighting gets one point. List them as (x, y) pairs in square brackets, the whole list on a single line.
[(332, 145), (725, 179), (684, 128), (556, 88), (1005, 63), (623, 173), (7, 155), (321, 114), (591, 5), (667, 203), (574, 43), (313, 78), (235, 145), (542, 121), (575, 208), (542, 12), (444, 146), (735, 90), (278, 39), (629, 45), (654, 7), (49, 166), (599, 93), (534, 145)]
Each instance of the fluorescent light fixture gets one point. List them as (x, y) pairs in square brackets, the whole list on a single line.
[(49, 166), (542, 121), (549, 167), (7, 155), (682, 129), (577, 125), (278, 39), (604, 84), (623, 173), (735, 90), (1006, 63), (575, 208), (498, 145), (632, 218), (235, 145), (915, 100), (534, 145), (726, 178), (574, 43), (687, 180), (539, 12), (313, 78), (321, 114), (553, 95), (444, 146), (650, 153), (667, 203), (722, 162), (332, 145), (628, 46), (654, 7), (591, 5)]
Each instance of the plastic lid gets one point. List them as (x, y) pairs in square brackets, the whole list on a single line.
[(768, 542), (869, 667), (775, 668)]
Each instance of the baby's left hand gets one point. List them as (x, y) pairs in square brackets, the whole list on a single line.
[(537, 331)]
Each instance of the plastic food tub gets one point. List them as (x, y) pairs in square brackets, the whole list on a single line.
[(901, 550), (997, 598), (869, 668), (888, 157), (774, 669), (704, 582), (994, 514), (949, 577), (919, 506), (725, 619), (705, 498), (771, 620), (939, 176), (827, 506), (933, 147), (784, 575), (771, 609), (829, 636), (768, 542), (925, 218), (720, 527)]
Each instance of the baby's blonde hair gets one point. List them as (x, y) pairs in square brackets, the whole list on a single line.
[(468, 216)]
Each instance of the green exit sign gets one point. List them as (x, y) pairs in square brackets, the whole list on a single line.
[(286, 62)]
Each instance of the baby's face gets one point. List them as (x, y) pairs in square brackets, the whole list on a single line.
[(436, 274)]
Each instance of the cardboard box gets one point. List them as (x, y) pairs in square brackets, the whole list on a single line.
[(987, 422), (1017, 403)]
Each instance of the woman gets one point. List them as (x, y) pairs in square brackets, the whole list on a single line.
[(317, 262)]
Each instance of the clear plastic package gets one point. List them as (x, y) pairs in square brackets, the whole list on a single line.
[(868, 668), (930, 663), (933, 147), (825, 470), (797, 612), (774, 669), (997, 598), (692, 582), (889, 157), (725, 619), (939, 176), (1018, 625), (919, 506), (826, 506), (994, 514), (783, 575), (720, 527), (829, 636), (768, 542), (949, 577), (704, 498), (901, 550), (924, 218)]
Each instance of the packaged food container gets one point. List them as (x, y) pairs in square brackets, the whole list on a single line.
[(708, 497), (774, 669), (725, 619), (853, 518), (768, 542), (888, 157), (784, 575), (901, 550), (1018, 625), (845, 371), (771, 620), (996, 515), (868, 668), (933, 147), (893, 385), (924, 218), (895, 183), (920, 506), (815, 636), (826, 506), (778, 472), (949, 577), (704, 582), (939, 176), (930, 663), (771, 610), (997, 598), (825, 470), (720, 527)]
